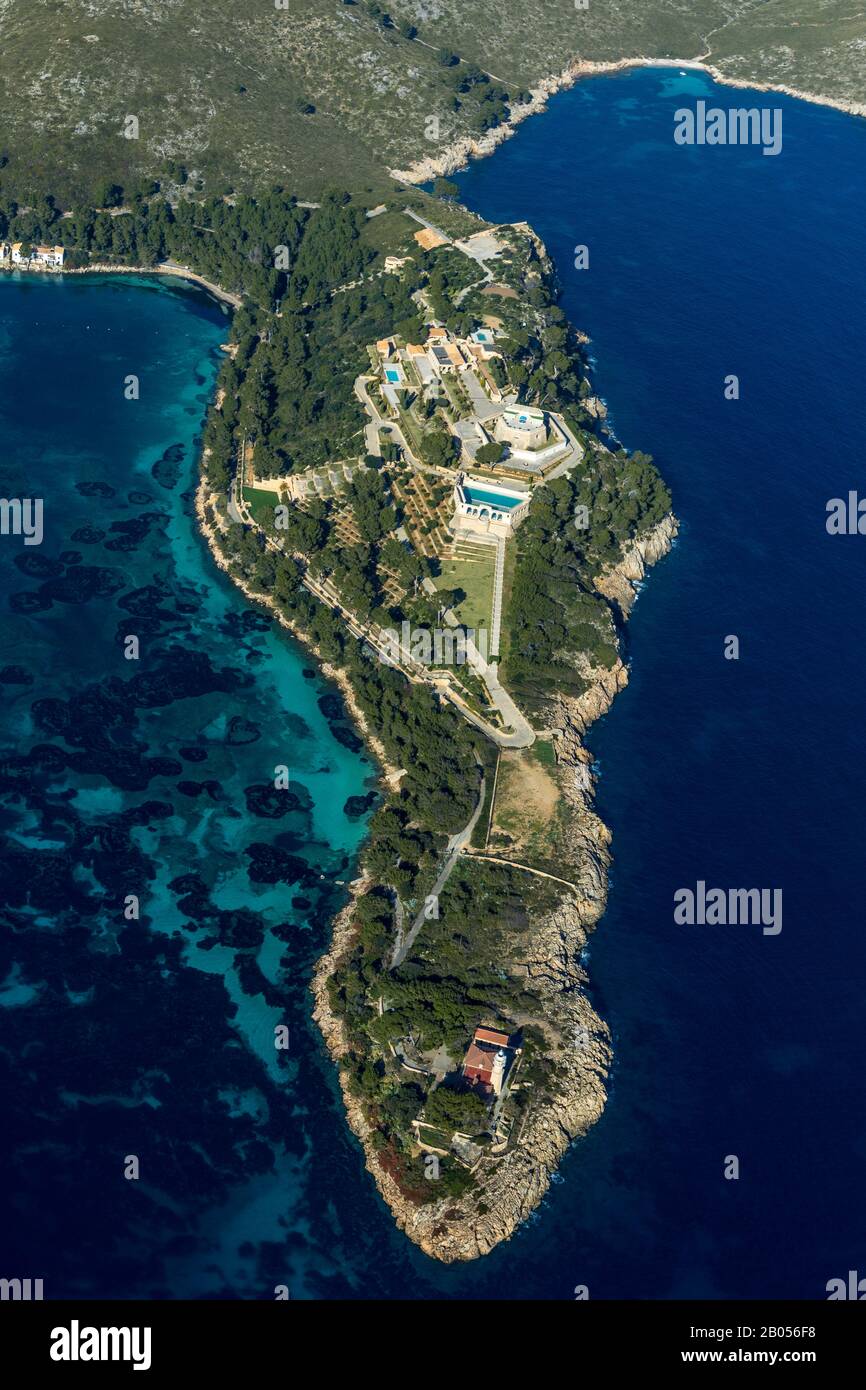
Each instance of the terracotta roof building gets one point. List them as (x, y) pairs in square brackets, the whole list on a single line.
[(487, 1058)]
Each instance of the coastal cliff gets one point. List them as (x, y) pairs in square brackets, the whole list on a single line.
[(619, 584), (458, 154)]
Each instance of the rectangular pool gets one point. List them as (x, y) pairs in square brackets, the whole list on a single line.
[(480, 497)]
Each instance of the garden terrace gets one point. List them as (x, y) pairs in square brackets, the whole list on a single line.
[(426, 512)]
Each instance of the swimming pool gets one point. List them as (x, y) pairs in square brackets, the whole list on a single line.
[(480, 497)]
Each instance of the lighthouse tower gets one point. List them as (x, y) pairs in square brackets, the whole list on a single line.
[(498, 1072)]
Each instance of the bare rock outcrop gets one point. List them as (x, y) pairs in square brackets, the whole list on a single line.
[(619, 583)]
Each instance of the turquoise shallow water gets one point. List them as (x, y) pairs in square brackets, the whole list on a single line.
[(156, 1037)]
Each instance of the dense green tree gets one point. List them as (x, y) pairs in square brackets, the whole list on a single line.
[(444, 188), (451, 1110), (490, 454), (439, 448)]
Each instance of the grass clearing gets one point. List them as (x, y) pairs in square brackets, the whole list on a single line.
[(390, 233), (261, 503), (527, 821), (470, 567), (542, 751), (507, 582)]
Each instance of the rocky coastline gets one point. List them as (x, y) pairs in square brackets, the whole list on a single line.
[(620, 583), (205, 500), (462, 1229), (458, 154), (457, 1229)]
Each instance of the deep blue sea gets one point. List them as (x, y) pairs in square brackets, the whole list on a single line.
[(705, 262), (154, 1037)]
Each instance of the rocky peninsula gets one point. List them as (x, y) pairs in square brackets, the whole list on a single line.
[(496, 820), (513, 1186)]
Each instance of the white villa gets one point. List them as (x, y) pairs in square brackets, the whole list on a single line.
[(523, 427), (439, 356), (48, 255), (532, 436), (445, 357), (38, 255), (488, 509)]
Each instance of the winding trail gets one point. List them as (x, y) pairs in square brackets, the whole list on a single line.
[(456, 846), (527, 868)]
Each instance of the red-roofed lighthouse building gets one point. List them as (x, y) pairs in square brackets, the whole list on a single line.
[(486, 1059)]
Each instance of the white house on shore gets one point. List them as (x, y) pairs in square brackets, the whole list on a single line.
[(37, 255), (49, 255)]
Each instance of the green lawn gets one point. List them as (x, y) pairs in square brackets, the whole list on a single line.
[(542, 751), (411, 431), (475, 575), (261, 503), (507, 582), (436, 1138)]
